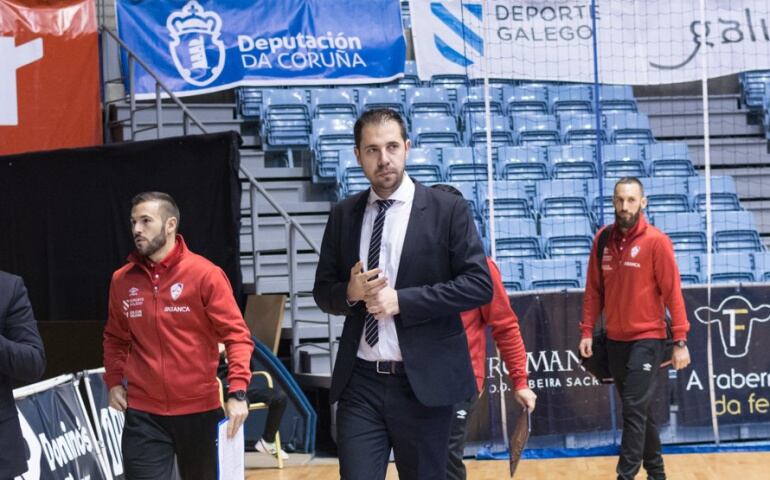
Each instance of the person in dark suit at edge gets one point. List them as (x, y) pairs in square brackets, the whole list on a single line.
[(400, 261), (22, 359)]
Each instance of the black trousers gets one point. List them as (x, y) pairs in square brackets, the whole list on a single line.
[(377, 412), (461, 411), (635, 366), (150, 443), (276, 404)]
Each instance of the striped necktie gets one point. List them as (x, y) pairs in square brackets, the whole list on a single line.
[(371, 327)]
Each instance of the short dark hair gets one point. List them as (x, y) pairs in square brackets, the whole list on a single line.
[(168, 206), (628, 181), (447, 188), (378, 115)]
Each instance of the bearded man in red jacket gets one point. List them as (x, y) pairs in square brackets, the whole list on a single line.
[(637, 280), (168, 309)]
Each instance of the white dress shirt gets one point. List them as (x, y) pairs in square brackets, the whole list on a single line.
[(391, 246)]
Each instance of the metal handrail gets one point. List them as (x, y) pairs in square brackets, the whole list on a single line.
[(292, 226)]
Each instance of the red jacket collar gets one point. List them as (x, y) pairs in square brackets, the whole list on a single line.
[(636, 230), (173, 256)]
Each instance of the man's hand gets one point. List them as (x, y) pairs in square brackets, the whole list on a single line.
[(586, 347), (358, 282), (526, 398), (680, 357), (236, 411), (118, 398), (381, 300)]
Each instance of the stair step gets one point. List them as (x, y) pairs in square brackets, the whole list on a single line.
[(271, 233)]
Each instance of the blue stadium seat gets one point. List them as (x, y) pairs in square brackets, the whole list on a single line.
[(554, 273), (686, 231), (476, 130), (762, 266), (511, 200), (570, 98), (428, 100), (753, 87), (352, 179), (623, 160), (372, 98), (723, 193), (471, 100), (689, 268), (333, 102), (580, 128), (729, 267), (460, 166), (286, 119), (603, 203), (522, 163), (330, 135), (449, 80), (249, 101), (617, 98), (410, 77), (424, 165), (563, 198), (669, 159), (572, 161), (627, 127), (525, 99), (566, 237), (735, 232), (666, 195), (435, 131), (512, 273), (516, 238), (536, 129), (468, 189)]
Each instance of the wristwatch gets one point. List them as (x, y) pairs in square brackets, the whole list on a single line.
[(239, 395), (681, 343)]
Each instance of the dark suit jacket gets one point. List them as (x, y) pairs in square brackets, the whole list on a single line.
[(442, 272), (22, 359)]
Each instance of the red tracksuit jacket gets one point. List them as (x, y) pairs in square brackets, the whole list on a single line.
[(641, 278), (161, 336), (505, 330)]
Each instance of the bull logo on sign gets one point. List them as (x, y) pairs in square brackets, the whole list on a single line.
[(456, 23), (736, 318), (197, 50)]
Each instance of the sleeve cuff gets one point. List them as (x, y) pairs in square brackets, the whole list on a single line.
[(520, 383), (237, 384)]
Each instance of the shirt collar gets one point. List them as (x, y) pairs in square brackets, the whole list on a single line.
[(404, 193)]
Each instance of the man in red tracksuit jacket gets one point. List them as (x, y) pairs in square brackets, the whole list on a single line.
[(639, 280), (168, 309), (498, 315)]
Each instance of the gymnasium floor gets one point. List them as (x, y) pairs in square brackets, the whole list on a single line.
[(715, 466)]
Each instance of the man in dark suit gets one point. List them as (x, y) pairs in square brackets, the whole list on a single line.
[(22, 359), (400, 261)]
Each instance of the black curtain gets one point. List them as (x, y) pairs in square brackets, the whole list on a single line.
[(64, 214)]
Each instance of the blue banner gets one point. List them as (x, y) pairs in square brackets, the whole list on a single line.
[(59, 441), (206, 46)]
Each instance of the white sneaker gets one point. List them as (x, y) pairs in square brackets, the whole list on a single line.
[(269, 447)]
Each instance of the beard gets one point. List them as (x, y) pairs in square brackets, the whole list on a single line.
[(629, 223), (154, 244)]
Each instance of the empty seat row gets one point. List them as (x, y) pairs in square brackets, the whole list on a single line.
[(731, 267), (571, 272)]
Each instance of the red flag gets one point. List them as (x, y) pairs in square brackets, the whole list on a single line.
[(49, 75)]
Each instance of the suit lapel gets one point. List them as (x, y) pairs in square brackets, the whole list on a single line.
[(413, 231)]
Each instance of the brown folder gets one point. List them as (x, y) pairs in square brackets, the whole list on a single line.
[(519, 438)]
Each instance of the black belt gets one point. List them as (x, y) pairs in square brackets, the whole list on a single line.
[(383, 367)]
